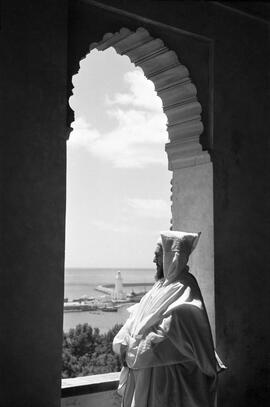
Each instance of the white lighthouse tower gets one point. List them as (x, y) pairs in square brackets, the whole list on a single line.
[(119, 293)]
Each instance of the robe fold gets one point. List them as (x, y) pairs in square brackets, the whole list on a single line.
[(168, 348)]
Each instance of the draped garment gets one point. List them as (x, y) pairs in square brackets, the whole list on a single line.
[(170, 359), (166, 342)]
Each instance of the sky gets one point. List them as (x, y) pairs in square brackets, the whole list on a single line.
[(118, 183)]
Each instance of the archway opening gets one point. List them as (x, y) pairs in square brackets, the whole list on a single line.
[(118, 199)]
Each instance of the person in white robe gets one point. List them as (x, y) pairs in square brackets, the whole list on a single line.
[(166, 344)]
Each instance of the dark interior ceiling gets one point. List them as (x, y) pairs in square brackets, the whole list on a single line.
[(259, 9)]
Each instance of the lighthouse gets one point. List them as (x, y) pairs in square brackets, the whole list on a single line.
[(119, 293)]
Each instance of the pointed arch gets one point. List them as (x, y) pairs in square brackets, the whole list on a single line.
[(192, 180), (173, 85)]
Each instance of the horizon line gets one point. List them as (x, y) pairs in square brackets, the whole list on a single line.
[(109, 268)]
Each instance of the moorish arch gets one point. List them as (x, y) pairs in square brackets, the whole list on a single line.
[(172, 84), (192, 180)]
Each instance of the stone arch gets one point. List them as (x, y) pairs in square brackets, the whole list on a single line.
[(192, 180), (172, 84)]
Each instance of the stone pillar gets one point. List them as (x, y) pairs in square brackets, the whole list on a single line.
[(33, 181), (192, 210)]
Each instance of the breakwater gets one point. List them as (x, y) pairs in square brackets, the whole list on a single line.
[(105, 289), (108, 288)]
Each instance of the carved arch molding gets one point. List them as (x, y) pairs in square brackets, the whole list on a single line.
[(172, 84), (192, 181)]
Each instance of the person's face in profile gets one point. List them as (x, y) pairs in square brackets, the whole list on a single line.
[(158, 260)]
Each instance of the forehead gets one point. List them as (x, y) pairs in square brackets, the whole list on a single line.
[(158, 250)]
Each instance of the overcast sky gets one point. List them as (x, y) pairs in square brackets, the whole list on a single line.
[(118, 184)]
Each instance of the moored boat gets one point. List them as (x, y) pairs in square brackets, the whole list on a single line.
[(108, 309)]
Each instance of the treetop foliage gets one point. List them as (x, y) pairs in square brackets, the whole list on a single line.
[(86, 351)]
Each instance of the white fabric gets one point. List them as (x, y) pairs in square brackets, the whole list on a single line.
[(177, 247), (165, 296), (157, 305), (167, 338)]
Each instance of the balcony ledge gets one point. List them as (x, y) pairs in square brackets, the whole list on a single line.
[(89, 384)]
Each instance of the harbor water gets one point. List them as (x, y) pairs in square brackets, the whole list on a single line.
[(80, 282)]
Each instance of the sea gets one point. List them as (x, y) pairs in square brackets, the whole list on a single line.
[(83, 281)]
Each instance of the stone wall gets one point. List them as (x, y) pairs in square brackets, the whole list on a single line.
[(193, 210), (33, 123)]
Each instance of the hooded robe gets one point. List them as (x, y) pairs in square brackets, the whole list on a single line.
[(166, 342)]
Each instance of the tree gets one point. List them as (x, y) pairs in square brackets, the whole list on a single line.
[(86, 351)]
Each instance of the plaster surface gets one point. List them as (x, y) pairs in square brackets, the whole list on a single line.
[(33, 120), (192, 210)]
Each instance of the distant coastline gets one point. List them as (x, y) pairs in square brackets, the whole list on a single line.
[(111, 285), (109, 288), (110, 268), (81, 284)]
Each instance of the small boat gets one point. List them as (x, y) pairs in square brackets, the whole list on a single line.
[(108, 309)]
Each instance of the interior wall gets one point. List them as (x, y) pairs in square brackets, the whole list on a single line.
[(33, 123), (192, 210), (103, 399)]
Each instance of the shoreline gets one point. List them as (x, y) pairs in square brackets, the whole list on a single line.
[(128, 285), (108, 288)]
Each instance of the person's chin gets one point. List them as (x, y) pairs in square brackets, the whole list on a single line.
[(156, 276), (159, 273)]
